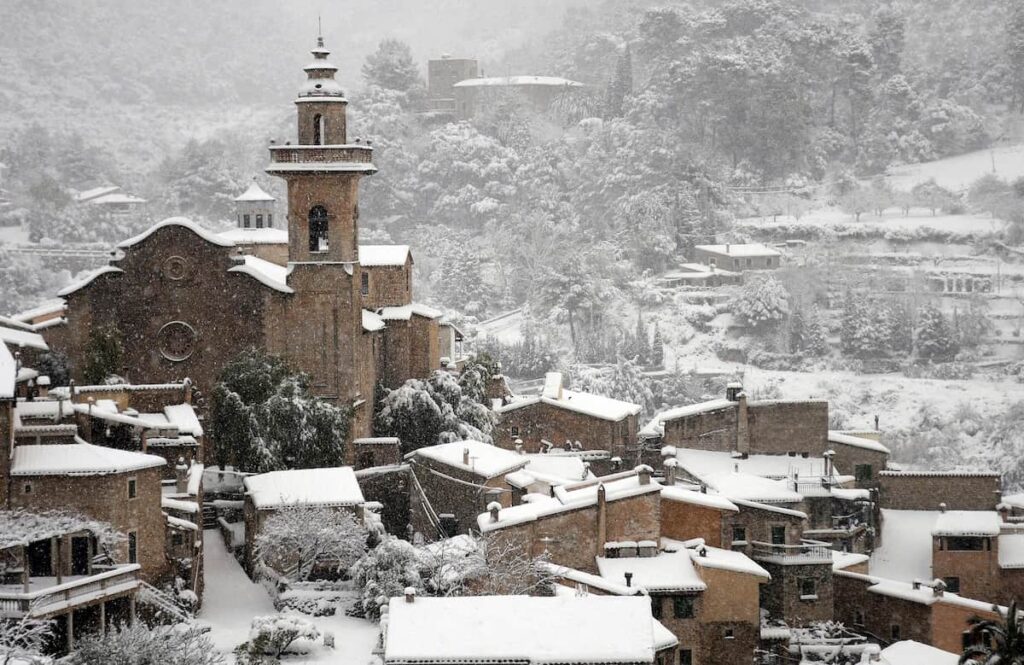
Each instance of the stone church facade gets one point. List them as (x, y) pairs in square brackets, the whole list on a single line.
[(186, 301)]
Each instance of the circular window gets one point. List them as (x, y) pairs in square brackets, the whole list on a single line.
[(177, 341), (176, 268)]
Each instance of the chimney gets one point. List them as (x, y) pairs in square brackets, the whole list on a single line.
[(942, 507), (465, 456), (916, 584), (519, 446), (494, 508), (726, 248), (602, 515), (629, 579), (742, 426), (181, 476), (703, 488), (670, 470), (44, 386), (702, 552), (643, 473), (410, 594), (938, 588), (732, 391), (186, 390)]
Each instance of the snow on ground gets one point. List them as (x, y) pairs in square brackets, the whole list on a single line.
[(959, 172), (891, 219), (231, 600), (906, 551), (506, 328)]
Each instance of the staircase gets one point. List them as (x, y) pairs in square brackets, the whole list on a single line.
[(150, 595), (209, 516)]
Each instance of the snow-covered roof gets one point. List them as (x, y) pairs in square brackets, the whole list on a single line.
[(87, 279), (515, 81), (746, 486), (906, 550), (78, 459), (89, 194), (252, 236), (269, 274), (567, 468), (383, 255), (714, 557), (1011, 550), (589, 404), (656, 427), (700, 462), (17, 337), (856, 441), (696, 498), (406, 312), (841, 560), (909, 652), (183, 222), (521, 629), (372, 322), (254, 193), (51, 306), (8, 373), (668, 571), (180, 505), (184, 417), (978, 523), (114, 198), (334, 486), (484, 459), (740, 250), (1013, 500)]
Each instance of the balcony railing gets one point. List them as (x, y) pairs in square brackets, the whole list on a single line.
[(320, 154), (808, 552), (68, 595)]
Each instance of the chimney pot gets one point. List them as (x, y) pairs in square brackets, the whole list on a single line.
[(494, 508), (410, 594), (629, 579), (465, 456), (643, 473), (942, 507)]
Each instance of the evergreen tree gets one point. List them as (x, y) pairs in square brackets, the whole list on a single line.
[(643, 343), (103, 354), (621, 84), (936, 339), (393, 67), (815, 334), (762, 303), (657, 348)]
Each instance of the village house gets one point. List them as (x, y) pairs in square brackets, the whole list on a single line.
[(568, 419), (737, 257), (322, 311), (524, 629), (266, 493)]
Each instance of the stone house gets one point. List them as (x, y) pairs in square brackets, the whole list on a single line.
[(525, 629), (737, 257), (266, 493), (562, 418), (187, 286), (926, 490)]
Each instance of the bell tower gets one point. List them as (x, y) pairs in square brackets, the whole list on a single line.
[(322, 171)]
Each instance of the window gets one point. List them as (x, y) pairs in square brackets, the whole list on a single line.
[(176, 538), (259, 221), (318, 129), (965, 544), (133, 490), (748, 263), (133, 547), (28, 488), (858, 617), (270, 220), (685, 657), (318, 229), (245, 221), (682, 607), (894, 632), (656, 607), (729, 634), (735, 263), (515, 430), (952, 584), (807, 589), (364, 283), (778, 535), (739, 534), (769, 262), (862, 472)]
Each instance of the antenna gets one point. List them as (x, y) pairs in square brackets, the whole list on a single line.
[(319, 32)]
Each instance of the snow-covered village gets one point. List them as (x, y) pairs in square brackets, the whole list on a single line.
[(524, 332)]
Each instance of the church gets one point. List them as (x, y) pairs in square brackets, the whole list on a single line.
[(186, 301)]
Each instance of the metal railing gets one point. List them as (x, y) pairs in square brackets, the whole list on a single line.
[(69, 594), (327, 154), (809, 551)]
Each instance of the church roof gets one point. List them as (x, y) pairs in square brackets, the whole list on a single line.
[(254, 193), (176, 221), (383, 255), (251, 236), (270, 274), (87, 280)]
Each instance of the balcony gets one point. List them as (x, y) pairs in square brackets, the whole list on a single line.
[(806, 553), (321, 158), (44, 597)]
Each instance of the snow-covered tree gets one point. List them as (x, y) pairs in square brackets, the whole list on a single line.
[(22, 640), (468, 566), (275, 635), (762, 304), (622, 381), (386, 571), (392, 67), (139, 644), (103, 354), (936, 339), (298, 540)]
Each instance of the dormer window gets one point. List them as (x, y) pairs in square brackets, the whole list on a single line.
[(318, 229)]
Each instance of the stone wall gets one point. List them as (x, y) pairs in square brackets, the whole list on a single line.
[(106, 498), (782, 596), (856, 606), (462, 494), (391, 487), (779, 427), (389, 286), (847, 458), (711, 430), (542, 421), (758, 524), (925, 491), (684, 521)]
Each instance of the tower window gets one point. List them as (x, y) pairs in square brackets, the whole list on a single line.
[(245, 221), (259, 221), (270, 220), (318, 129), (364, 283), (318, 229), (133, 547)]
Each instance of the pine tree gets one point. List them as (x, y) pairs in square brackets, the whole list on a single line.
[(657, 348), (643, 344), (815, 334), (621, 84), (936, 339), (103, 354)]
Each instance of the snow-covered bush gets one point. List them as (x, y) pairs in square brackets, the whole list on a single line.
[(300, 541), (935, 338), (139, 644), (275, 635), (762, 303), (385, 571), (22, 641)]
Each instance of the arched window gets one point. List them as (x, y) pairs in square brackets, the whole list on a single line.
[(318, 129), (318, 229)]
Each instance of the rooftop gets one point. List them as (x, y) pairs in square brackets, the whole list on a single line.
[(17, 338), (266, 272), (589, 404), (909, 652), (406, 312), (978, 523), (560, 629), (856, 441), (251, 236), (336, 486), (516, 81), (78, 459), (383, 255), (740, 249), (484, 459), (253, 194), (668, 571), (656, 427)]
